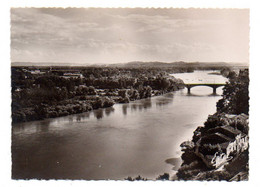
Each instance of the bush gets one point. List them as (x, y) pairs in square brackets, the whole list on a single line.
[(123, 100), (108, 102), (18, 116), (138, 178), (188, 157), (216, 120), (214, 175), (187, 145), (165, 176)]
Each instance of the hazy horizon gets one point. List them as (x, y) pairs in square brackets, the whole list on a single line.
[(101, 64), (109, 36)]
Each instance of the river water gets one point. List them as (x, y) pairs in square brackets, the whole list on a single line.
[(139, 138)]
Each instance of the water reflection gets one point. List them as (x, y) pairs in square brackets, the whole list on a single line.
[(78, 118), (161, 101), (70, 117), (98, 113), (109, 110), (36, 127), (82, 116), (134, 107), (147, 103), (140, 105), (42, 127), (169, 95), (206, 95), (124, 109)]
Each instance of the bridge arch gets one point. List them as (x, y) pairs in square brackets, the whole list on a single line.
[(213, 86)]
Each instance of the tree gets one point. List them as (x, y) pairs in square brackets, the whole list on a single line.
[(123, 93), (235, 95), (92, 91)]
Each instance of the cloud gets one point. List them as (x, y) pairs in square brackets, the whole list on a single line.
[(121, 35)]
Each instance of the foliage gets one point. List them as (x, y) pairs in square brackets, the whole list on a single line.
[(235, 95), (214, 176), (34, 95), (214, 121), (165, 176), (187, 145), (187, 171), (138, 178)]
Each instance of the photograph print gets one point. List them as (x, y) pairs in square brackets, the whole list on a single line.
[(132, 94)]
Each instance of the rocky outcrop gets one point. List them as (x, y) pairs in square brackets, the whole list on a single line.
[(218, 150)]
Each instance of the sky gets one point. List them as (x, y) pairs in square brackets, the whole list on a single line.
[(102, 36)]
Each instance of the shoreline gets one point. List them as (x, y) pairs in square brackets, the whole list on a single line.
[(219, 149), (49, 93), (115, 101)]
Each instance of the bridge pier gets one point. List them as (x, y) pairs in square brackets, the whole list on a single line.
[(214, 90), (188, 90)]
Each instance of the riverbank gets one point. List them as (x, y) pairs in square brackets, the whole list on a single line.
[(219, 149), (48, 93), (86, 103)]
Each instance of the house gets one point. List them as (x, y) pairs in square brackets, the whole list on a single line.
[(37, 72), (72, 75), (224, 139)]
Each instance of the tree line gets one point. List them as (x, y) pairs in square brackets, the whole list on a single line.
[(34, 96)]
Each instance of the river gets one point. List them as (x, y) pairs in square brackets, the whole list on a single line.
[(139, 138)]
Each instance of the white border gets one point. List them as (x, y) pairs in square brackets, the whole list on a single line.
[(134, 3), (5, 141)]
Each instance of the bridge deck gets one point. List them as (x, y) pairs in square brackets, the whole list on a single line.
[(206, 84)]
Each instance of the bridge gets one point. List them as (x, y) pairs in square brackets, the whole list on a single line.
[(212, 85)]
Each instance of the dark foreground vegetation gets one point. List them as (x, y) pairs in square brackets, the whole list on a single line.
[(47, 92), (219, 149)]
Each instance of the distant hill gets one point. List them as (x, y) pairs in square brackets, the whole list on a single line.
[(175, 64), (139, 64), (45, 64), (136, 64)]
